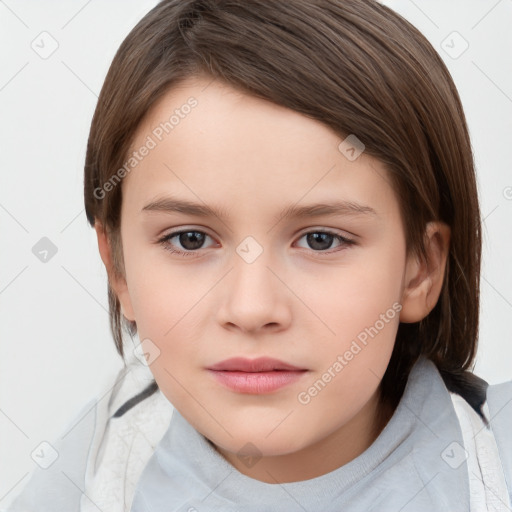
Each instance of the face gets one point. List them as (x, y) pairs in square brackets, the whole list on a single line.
[(302, 259)]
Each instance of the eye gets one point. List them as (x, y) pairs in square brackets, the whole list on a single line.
[(190, 241), (321, 241)]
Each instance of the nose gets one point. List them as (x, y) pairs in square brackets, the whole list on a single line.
[(254, 298)]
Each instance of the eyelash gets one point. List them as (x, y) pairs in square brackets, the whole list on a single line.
[(164, 241)]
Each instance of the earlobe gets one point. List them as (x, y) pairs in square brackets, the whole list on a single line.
[(117, 282), (423, 280)]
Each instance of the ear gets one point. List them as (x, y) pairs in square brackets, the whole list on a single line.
[(424, 279), (117, 282)]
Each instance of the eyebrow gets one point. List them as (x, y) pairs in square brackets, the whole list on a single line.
[(337, 208)]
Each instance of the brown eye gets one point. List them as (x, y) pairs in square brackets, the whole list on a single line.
[(191, 240), (184, 242), (320, 241)]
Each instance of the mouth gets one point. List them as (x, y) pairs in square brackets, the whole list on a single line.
[(257, 376)]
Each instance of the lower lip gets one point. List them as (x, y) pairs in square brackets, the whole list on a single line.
[(257, 382)]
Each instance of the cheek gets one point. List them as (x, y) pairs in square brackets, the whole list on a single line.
[(164, 306), (166, 310), (359, 308), (171, 303), (160, 291), (354, 295)]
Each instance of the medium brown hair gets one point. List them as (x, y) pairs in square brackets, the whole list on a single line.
[(354, 65)]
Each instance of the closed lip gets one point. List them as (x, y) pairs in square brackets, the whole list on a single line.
[(261, 364)]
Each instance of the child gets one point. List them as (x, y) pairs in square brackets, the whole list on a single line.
[(285, 202)]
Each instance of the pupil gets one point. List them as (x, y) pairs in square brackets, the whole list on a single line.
[(191, 240), (320, 241)]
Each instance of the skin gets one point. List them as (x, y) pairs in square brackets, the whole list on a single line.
[(295, 302)]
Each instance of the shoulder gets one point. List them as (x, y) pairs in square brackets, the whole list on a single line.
[(501, 395), (119, 456), (103, 450), (499, 403), (55, 484)]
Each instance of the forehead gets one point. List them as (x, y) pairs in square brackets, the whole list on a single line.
[(209, 141)]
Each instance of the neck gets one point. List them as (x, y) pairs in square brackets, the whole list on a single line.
[(337, 449)]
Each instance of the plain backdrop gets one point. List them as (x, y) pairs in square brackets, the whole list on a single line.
[(56, 348)]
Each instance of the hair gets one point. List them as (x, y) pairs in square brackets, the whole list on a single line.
[(354, 65)]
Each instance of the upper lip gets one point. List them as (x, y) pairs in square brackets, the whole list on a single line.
[(261, 364)]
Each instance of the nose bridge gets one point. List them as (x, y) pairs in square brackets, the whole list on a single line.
[(255, 297), (252, 279)]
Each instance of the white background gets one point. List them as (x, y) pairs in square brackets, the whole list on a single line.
[(56, 348)]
